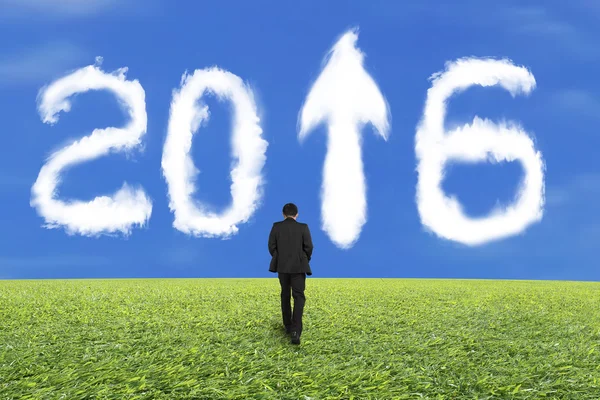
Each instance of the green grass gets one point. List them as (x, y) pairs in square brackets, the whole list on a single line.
[(363, 338)]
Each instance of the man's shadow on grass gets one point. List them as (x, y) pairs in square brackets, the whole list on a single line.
[(279, 330)]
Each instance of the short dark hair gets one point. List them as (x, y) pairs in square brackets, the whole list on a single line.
[(290, 210)]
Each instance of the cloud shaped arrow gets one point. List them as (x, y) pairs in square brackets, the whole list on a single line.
[(346, 97)]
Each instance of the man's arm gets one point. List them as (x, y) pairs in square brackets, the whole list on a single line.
[(272, 241), (307, 244)]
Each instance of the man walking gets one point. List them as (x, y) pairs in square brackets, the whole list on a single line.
[(291, 249)]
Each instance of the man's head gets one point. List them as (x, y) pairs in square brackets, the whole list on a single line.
[(290, 210)]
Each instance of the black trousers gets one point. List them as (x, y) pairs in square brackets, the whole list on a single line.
[(296, 283)]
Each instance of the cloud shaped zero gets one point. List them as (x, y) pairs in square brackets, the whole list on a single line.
[(480, 141), (104, 214), (248, 150)]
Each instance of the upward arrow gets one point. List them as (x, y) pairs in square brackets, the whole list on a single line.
[(346, 97)]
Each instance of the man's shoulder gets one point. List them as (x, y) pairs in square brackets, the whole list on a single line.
[(301, 224)]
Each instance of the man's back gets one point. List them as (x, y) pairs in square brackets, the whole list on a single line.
[(290, 245)]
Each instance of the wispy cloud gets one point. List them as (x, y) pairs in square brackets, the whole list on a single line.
[(52, 11), (59, 260), (576, 192), (574, 219), (40, 64), (577, 101), (589, 7), (53, 8), (182, 255), (557, 31)]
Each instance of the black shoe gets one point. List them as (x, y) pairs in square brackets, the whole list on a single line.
[(295, 338), (288, 330)]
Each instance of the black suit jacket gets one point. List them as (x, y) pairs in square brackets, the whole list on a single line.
[(290, 246)]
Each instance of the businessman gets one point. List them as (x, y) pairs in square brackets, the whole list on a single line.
[(291, 249)]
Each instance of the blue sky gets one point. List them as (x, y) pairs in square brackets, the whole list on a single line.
[(278, 48)]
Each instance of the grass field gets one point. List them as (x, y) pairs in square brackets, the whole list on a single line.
[(362, 339)]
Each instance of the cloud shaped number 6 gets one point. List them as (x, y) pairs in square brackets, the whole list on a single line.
[(480, 141)]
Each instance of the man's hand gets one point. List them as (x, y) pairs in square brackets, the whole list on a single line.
[(307, 245), (272, 241)]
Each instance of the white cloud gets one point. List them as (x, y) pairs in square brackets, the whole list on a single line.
[(249, 153), (579, 190), (347, 98), (104, 214), (39, 64), (478, 142)]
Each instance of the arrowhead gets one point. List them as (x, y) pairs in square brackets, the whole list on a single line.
[(345, 90)]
